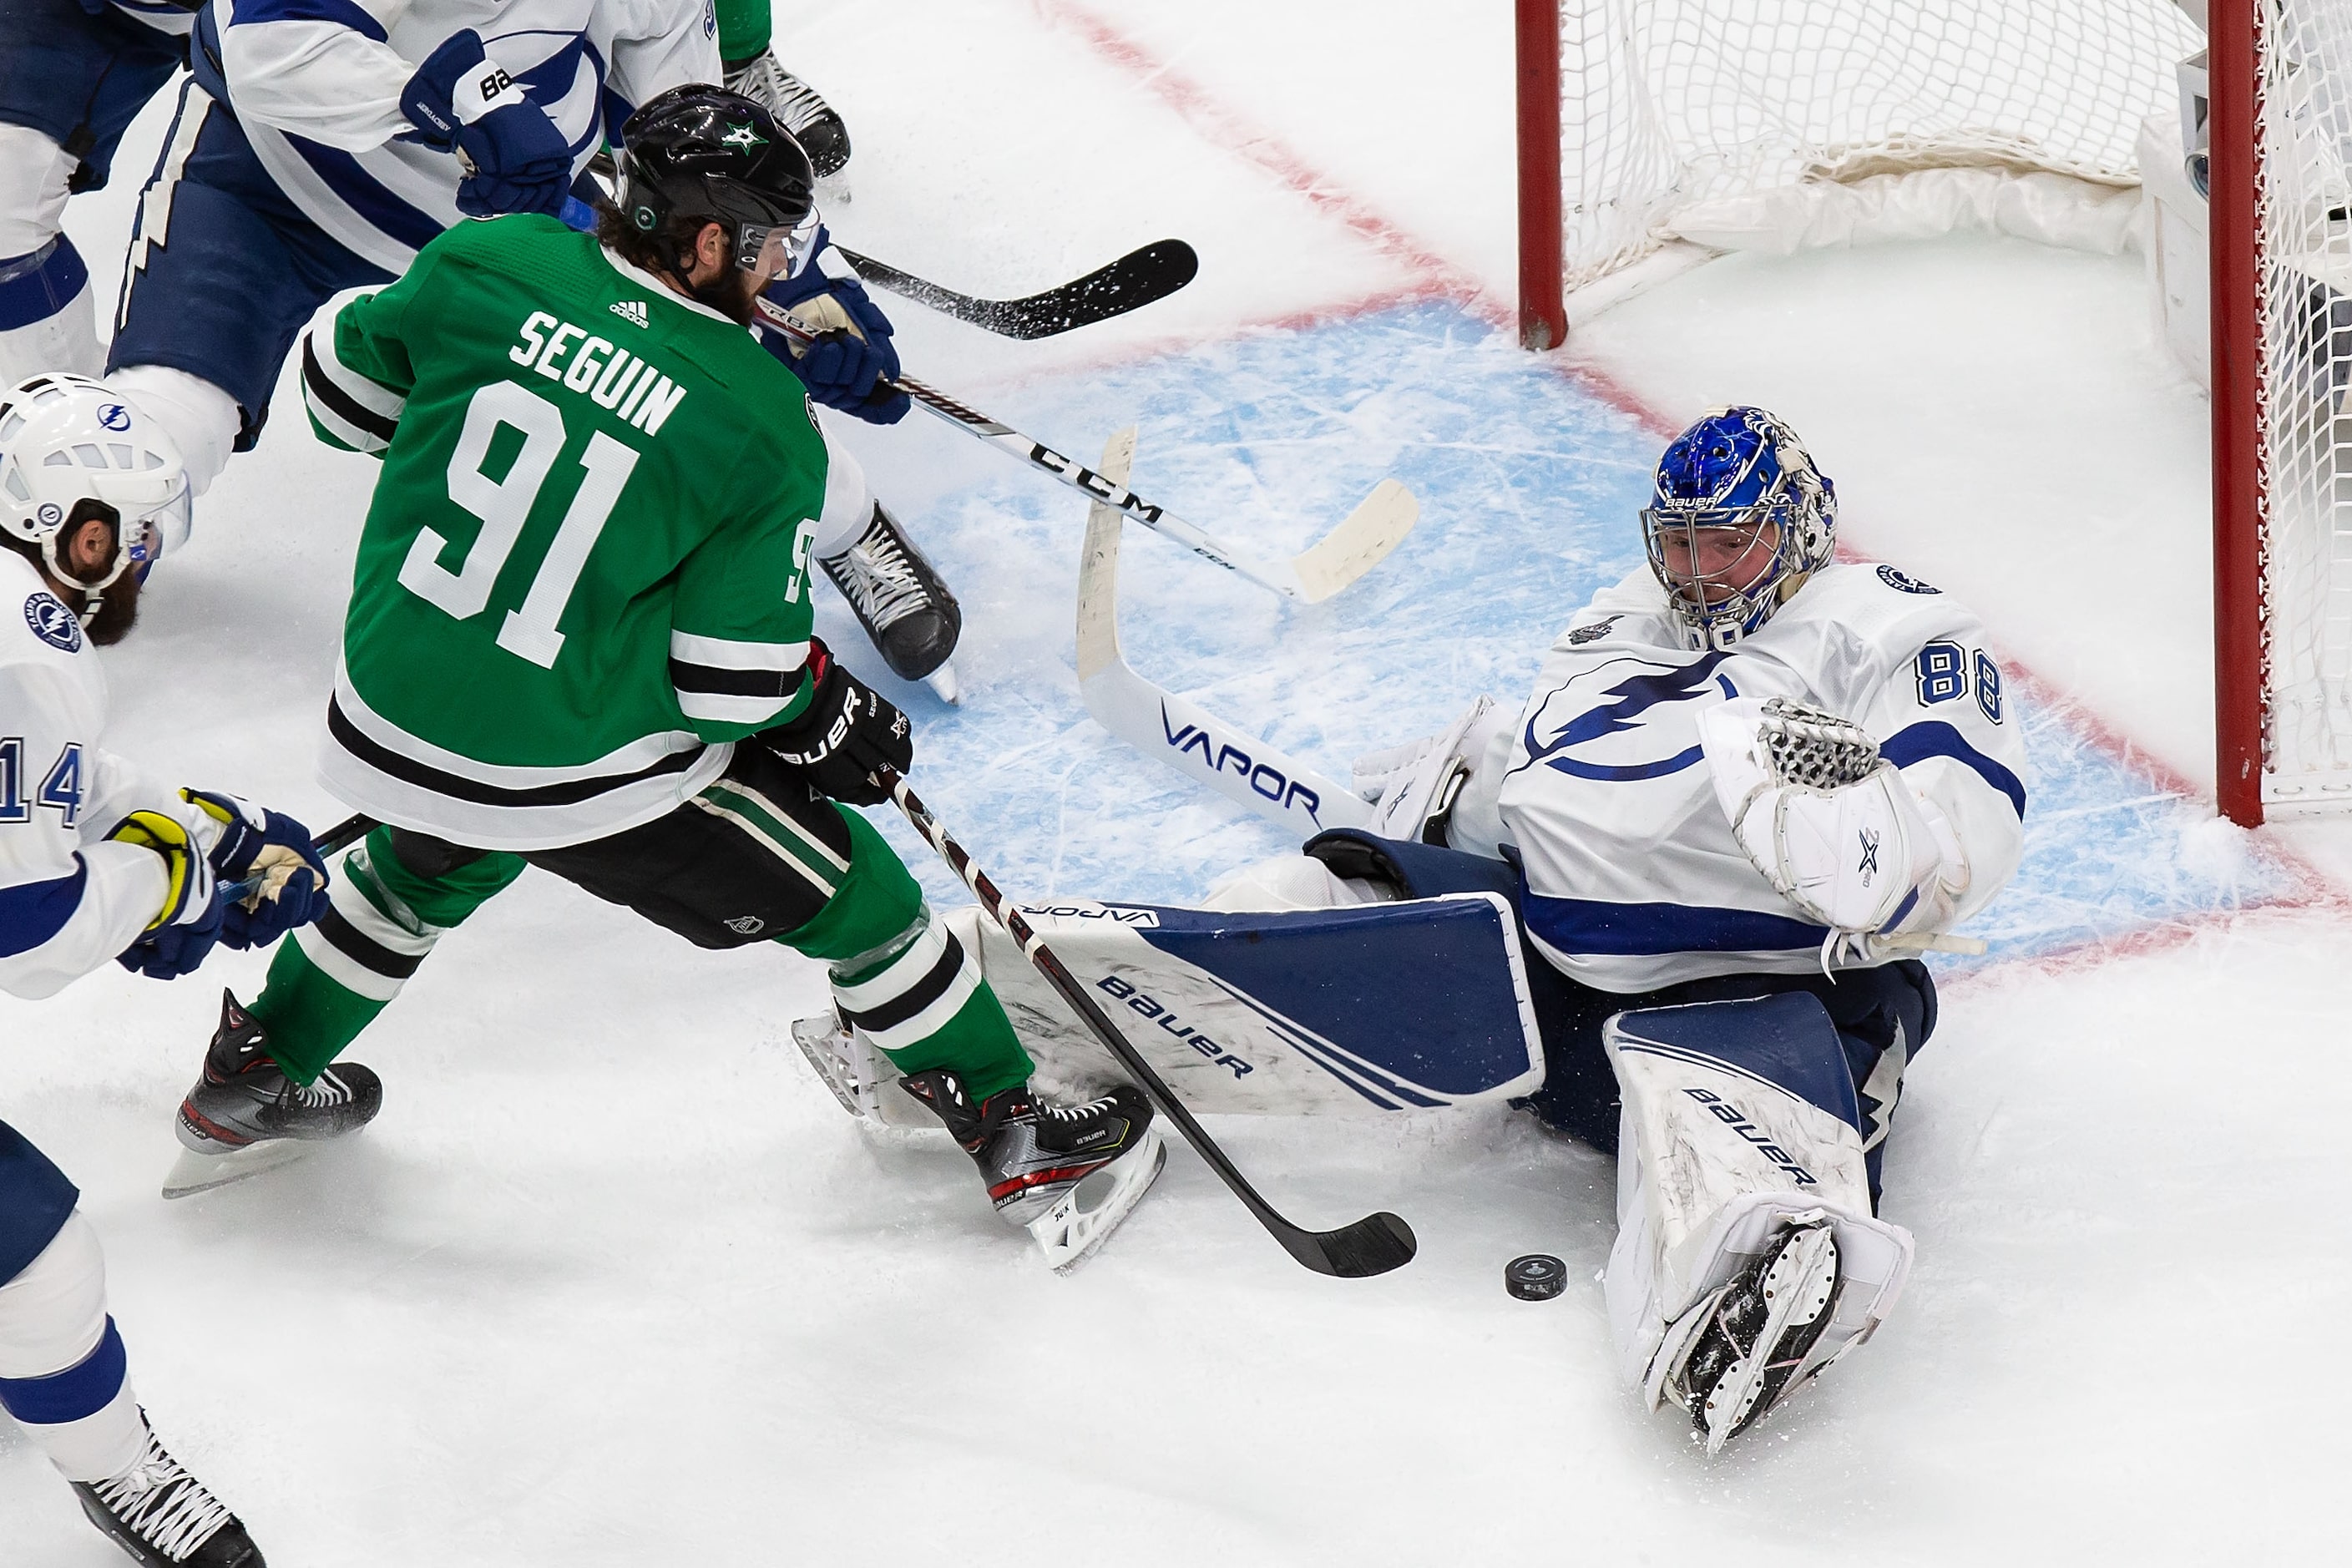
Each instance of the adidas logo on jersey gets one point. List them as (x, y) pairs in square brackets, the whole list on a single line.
[(631, 310)]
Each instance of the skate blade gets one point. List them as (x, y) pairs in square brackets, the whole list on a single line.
[(195, 1172), (1803, 1285), (839, 1062), (1074, 1228), (944, 685)]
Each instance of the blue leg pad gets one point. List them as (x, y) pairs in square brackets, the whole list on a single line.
[(1786, 1040)]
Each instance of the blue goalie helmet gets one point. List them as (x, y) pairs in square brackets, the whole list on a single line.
[(1739, 517)]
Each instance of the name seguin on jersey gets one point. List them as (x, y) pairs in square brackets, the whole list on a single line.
[(611, 376)]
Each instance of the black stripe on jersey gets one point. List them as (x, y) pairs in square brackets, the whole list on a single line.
[(778, 683), (407, 770), (916, 997), (340, 404), (364, 950)]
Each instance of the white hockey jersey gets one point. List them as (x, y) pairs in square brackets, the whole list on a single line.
[(1633, 878), (316, 86), (69, 900), (163, 15)]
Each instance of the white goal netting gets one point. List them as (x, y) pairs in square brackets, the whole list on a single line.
[(1666, 104), (2303, 276)]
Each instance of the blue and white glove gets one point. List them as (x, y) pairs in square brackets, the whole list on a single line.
[(185, 928), (462, 102), (852, 358), (269, 845)]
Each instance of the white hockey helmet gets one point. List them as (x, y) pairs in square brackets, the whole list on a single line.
[(66, 440)]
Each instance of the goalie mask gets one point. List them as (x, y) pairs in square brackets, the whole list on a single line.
[(1740, 517), (69, 445)]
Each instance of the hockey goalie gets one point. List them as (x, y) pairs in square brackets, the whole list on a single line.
[(1749, 789)]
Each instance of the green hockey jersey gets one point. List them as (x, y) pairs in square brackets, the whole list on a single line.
[(585, 573)]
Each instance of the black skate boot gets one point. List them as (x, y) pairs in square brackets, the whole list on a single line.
[(900, 601), (1068, 1173), (158, 1513), (1759, 1330), (245, 1116), (798, 109)]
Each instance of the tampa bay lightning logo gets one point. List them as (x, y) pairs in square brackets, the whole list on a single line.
[(52, 622), (114, 416), (1599, 725), (1594, 632), (1903, 580)]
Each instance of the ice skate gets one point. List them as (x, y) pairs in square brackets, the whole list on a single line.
[(901, 600), (158, 1513), (245, 1116), (1068, 1173), (1749, 1342), (847, 1064), (815, 124)]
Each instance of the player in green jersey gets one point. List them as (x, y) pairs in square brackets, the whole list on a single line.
[(579, 638)]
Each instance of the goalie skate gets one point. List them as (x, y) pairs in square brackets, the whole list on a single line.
[(1750, 1342)]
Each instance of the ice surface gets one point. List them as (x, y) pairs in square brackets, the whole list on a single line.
[(614, 1281)]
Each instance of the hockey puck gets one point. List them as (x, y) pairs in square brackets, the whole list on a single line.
[(1538, 1276)]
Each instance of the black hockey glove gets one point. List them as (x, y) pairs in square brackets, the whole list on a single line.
[(845, 734)]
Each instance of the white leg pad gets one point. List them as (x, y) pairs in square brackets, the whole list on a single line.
[(200, 419), (52, 1316), (1709, 1158)]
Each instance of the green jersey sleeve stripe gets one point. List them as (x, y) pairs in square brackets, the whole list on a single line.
[(716, 708), (728, 653), (359, 413)]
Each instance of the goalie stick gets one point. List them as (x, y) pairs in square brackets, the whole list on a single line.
[(1361, 542), (1183, 733), (1134, 280), (1373, 1245)]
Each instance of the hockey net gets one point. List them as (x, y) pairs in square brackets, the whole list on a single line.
[(2292, 513), (1668, 105)]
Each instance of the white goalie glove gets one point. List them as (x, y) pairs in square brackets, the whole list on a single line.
[(1832, 826)]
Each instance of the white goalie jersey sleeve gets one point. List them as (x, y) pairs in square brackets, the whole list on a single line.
[(69, 900), (1602, 789)]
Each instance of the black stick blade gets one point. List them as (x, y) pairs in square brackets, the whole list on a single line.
[(1373, 1245), (1134, 280)]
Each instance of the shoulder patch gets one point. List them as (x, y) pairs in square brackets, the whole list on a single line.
[(1903, 582), (1594, 632), (52, 622)]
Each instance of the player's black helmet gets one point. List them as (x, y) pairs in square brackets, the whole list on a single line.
[(703, 153)]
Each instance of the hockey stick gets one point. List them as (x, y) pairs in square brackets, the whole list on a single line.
[(342, 835), (1373, 1245), (1181, 734), (1359, 544), (1133, 281)]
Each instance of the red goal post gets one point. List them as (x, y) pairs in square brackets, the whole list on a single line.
[(1656, 132)]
